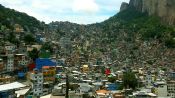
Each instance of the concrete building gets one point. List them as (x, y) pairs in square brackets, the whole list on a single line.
[(31, 47), (21, 60), (4, 61), (1, 65), (149, 79), (161, 89), (102, 94), (8, 90), (65, 43), (18, 28), (171, 88), (49, 73), (141, 94), (75, 95), (171, 75), (10, 63), (119, 75), (85, 68), (84, 87), (59, 89), (37, 82), (118, 95), (22, 93), (9, 50), (6, 79)]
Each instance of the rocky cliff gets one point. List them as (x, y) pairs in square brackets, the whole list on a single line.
[(165, 9), (124, 6)]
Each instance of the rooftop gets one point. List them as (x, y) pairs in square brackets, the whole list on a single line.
[(11, 86), (22, 92)]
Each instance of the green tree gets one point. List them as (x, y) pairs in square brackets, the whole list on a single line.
[(47, 46), (29, 39), (33, 54), (129, 80), (170, 43), (12, 38), (112, 79)]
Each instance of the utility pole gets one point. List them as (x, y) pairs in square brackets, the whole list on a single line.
[(67, 86)]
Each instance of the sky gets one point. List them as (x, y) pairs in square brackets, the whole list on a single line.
[(76, 11)]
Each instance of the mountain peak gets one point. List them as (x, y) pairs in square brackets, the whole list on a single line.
[(124, 6), (165, 9)]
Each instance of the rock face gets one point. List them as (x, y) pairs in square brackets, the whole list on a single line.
[(124, 6), (165, 9)]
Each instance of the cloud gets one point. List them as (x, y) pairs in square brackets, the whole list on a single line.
[(77, 11), (12, 2), (111, 5), (85, 6), (40, 5)]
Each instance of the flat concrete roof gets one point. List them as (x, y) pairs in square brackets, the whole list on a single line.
[(46, 96), (11, 86), (22, 92), (57, 97)]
